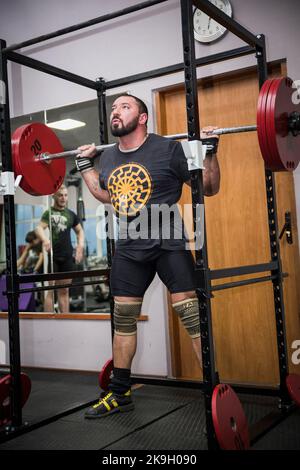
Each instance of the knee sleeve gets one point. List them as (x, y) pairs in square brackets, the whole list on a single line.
[(188, 311), (125, 317)]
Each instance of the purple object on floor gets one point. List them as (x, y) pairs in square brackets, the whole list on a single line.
[(26, 300)]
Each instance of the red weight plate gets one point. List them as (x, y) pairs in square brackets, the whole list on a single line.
[(17, 135), (271, 158), (229, 419), (38, 178), (26, 387), (293, 385), (5, 385), (4, 399), (285, 147), (17, 170), (104, 376), (274, 162), (260, 118)]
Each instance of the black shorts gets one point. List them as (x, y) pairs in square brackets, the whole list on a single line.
[(61, 264), (133, 271)]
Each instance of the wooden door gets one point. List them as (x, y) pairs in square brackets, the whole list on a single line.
[(237, 235)]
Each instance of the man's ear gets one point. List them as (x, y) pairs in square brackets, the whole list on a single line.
[(143, 118)]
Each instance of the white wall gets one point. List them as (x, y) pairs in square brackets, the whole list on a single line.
[(86, 344), (143, 41)]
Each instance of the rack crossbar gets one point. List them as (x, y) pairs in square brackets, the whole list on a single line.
[(155, 73), (51, 70), (82, 25)]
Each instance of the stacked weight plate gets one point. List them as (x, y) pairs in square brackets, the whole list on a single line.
[(276, 103)]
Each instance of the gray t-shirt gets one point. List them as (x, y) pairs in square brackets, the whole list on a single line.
[(145, 186)]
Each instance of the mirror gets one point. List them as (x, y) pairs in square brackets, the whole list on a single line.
[(86, 212)]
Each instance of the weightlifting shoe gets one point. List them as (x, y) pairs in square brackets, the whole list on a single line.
[(110, 403)]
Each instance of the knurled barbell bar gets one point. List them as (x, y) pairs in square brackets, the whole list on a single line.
[(220, 131), (47, 157), (278, 129)]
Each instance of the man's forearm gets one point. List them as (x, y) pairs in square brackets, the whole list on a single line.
[(23, 257), (41, 233), (39, 262), (80, 238), (91, 178), (211, 175)]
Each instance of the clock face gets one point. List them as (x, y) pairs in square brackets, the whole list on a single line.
[(205, 28)]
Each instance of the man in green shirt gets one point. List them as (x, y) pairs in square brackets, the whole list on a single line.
[(61, 223)]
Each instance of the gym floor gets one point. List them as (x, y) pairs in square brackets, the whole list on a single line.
[(165, 418)]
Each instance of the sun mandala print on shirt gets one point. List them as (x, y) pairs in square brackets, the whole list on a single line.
[(130, 187)]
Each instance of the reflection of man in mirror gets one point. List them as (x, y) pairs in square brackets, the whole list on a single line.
[(60, 225)]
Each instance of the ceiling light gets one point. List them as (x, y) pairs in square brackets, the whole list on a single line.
[(66, 124)]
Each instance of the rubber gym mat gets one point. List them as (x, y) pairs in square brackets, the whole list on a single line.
[(55, 391), (184, 429), (164, 418), (74, 432), (286, 436), (256, 407)]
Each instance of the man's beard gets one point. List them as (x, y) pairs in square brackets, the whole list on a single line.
[(124, 130)]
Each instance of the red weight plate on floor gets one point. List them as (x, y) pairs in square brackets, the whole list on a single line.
[(229, 419), (5, 384), (285, 147), (260, 118), (38, 178), (293, 385), (4, 399), (26, 387), (104, 376)]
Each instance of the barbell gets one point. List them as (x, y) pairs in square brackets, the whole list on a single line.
[(39, 157)]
